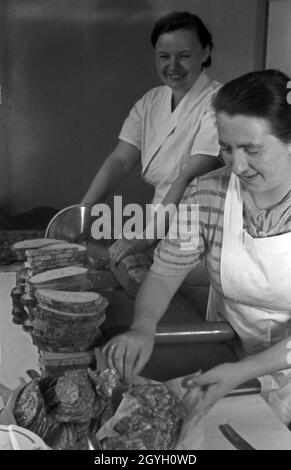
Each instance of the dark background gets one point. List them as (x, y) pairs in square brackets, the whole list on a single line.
[(70, 72)]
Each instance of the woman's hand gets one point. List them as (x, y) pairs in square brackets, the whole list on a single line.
[(129, 352), (215, 384), (122, 248)]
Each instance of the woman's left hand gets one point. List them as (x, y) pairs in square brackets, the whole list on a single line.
[(122, 248), (215, 384)]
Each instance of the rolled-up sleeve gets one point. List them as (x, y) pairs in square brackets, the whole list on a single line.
[(176, 256), (131, 130), (206, 140)]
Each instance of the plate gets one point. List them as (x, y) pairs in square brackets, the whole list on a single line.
[(17, 438)]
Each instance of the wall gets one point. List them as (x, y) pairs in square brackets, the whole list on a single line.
[(279, 36), (5, 174), (74, 68)]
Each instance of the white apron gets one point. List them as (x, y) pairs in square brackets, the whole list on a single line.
[(256, 285)]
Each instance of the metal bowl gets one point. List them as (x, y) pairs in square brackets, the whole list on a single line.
[(71, 224)]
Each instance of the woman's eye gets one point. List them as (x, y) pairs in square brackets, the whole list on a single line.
[(252, 151)]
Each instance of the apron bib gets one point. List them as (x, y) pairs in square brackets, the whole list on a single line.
[(256, 282)]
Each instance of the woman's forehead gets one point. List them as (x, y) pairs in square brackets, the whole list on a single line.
[(242, 130), (251, 127), (178, 39)]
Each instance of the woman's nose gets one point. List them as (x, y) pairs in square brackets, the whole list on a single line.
[(239, 162), (174, 62)]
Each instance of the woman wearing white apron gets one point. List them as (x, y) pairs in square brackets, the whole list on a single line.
[(245, 235), (171, 130)]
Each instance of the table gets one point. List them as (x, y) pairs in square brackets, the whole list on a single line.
[(17, 353), (252, 418)]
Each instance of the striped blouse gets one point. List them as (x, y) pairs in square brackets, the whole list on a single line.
[(209, 192)]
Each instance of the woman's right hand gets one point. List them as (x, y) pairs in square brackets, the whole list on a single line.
[(214, 385), (129, 352)]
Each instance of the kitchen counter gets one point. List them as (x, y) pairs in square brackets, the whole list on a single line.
[(249, 415), (17, 351), (18, 354), (252, 418)]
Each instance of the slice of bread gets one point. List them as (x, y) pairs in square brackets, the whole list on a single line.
[(71, 302), (33, 270), (56, 318), (55, 250), (35, 243), (53, 276), (32, 244), (71, 285)]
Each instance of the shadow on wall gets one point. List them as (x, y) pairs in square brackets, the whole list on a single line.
[(36, 219), (70, 86), (75, 68)]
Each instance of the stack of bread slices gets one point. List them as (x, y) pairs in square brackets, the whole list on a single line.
[(64, 315), (66, 321), (56, 264), (56, 255)]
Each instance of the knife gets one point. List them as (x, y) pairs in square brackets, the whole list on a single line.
[(246, 388), (234, 438)]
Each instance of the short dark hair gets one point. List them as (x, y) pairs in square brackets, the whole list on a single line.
[(259, 94), (183, 20)]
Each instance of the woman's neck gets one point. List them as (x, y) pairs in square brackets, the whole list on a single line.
[(269, 199), (177, 96)]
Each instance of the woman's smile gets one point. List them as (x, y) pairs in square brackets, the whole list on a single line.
[(248, 178)]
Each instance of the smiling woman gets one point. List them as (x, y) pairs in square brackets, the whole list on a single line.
[(255, 137), (181, 53), (245, 235), (171, 130), (260, 159)]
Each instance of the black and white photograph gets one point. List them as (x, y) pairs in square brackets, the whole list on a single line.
[(145, 228)]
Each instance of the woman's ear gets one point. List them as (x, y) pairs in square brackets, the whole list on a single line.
[(205, 54)]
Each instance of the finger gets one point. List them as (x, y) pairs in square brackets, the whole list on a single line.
[(130, 359), (107, 352), (118, 257), (193, 396), (190, 400), (139, 364), (118, 358), (122, 254), (209, 398), (190, 381), (114, 247), (114, 254), (115, 251), (197, 382)]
